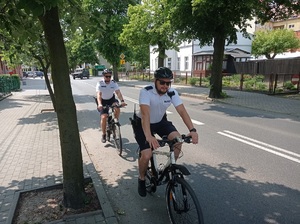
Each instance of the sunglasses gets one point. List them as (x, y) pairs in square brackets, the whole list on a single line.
[(107, 76), (161, 82)]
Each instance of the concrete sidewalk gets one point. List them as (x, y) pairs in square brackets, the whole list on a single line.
[(30, 150), (30, 153)]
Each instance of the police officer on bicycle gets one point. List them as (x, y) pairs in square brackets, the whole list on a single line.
[(154, 101), (106, 90)]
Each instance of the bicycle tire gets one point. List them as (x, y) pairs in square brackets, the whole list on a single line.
[(182, 203), (116, 130)]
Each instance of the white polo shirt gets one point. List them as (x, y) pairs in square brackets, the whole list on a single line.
[(107, 90), (158, 103)]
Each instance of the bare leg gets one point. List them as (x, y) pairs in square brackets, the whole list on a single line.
[(117, 113), (103, 123), (143, 162), (177, 147)]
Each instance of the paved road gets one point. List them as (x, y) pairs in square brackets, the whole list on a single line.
[(30, 155)]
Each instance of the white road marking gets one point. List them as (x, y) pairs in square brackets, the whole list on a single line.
[(197, 122), (261, 145)]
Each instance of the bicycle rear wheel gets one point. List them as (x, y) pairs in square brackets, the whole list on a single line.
[(182, 203), (117, 138)]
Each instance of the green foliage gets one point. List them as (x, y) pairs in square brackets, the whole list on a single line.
[(272, 42), (81, 50), (216, 23), (114, 16), (193, 80), (289, 85), (149, 24), (224, 94), (255, 82), (9, 83)]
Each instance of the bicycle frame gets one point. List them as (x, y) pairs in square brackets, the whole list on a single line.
[(182, 203), (170, 167), (111, 115)]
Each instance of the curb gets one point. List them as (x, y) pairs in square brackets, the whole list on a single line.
[(108, 212)]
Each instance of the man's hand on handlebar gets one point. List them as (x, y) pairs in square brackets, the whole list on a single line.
[(100, 107), (123, 104), (194, 136)]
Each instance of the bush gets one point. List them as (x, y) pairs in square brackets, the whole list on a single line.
[(193, 81), (9, 83), (289, 85), (261, 86)]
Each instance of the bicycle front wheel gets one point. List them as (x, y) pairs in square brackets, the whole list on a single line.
[(182, 203), (117, 138)]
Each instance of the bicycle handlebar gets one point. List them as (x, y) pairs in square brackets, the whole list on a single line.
[(183, 138), (112, 106)]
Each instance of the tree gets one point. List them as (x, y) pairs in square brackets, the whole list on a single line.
[(149, 25), (81, 50), (107, 36), (272, 42), (12, 12), (215, 22), (212, 23), (66, 111), (23, 45)]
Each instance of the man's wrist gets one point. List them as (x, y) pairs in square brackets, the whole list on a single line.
[(193, 130)]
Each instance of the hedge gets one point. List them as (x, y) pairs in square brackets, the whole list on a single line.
[(9, 83)]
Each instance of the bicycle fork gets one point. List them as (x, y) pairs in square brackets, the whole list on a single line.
[(180, 205)]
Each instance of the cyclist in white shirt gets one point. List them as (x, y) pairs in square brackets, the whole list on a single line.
[(154, 101), (106, 90)]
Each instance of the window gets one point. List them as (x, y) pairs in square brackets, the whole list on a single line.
[(169, 63), (291, 26), (186, 63), (178, 63)]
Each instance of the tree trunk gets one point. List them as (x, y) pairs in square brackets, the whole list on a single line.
[(161, 55), (216, 74), (52, 96), (115, 72), (73, 183)]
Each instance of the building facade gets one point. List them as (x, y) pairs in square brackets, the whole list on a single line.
[(292, 23), (193, 60)]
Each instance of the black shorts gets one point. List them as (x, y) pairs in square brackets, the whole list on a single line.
[(110, 102), (162, 128)]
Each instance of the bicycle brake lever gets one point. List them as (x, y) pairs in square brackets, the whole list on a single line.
[(178, 139)]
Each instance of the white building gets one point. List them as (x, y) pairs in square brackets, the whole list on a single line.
[(184, 61)]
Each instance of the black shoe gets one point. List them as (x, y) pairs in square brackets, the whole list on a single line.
[(103, 140), (142, 188)]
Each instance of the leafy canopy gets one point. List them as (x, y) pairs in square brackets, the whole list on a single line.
[(149, 24), (274, 42)]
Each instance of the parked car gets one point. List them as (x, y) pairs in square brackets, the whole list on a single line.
[(80, 73), (30, 74), (39, 74)]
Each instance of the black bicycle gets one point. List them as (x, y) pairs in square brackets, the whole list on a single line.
[(113, 127), (182, 203)]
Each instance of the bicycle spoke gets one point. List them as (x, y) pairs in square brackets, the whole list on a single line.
[(182, 203), (117, 138)]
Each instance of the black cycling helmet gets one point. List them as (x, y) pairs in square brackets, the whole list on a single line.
[(106, 71), (163, 73)]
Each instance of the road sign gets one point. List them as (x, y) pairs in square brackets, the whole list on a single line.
[(295, 79), (122, 62), (100, 67), (122, 56)]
